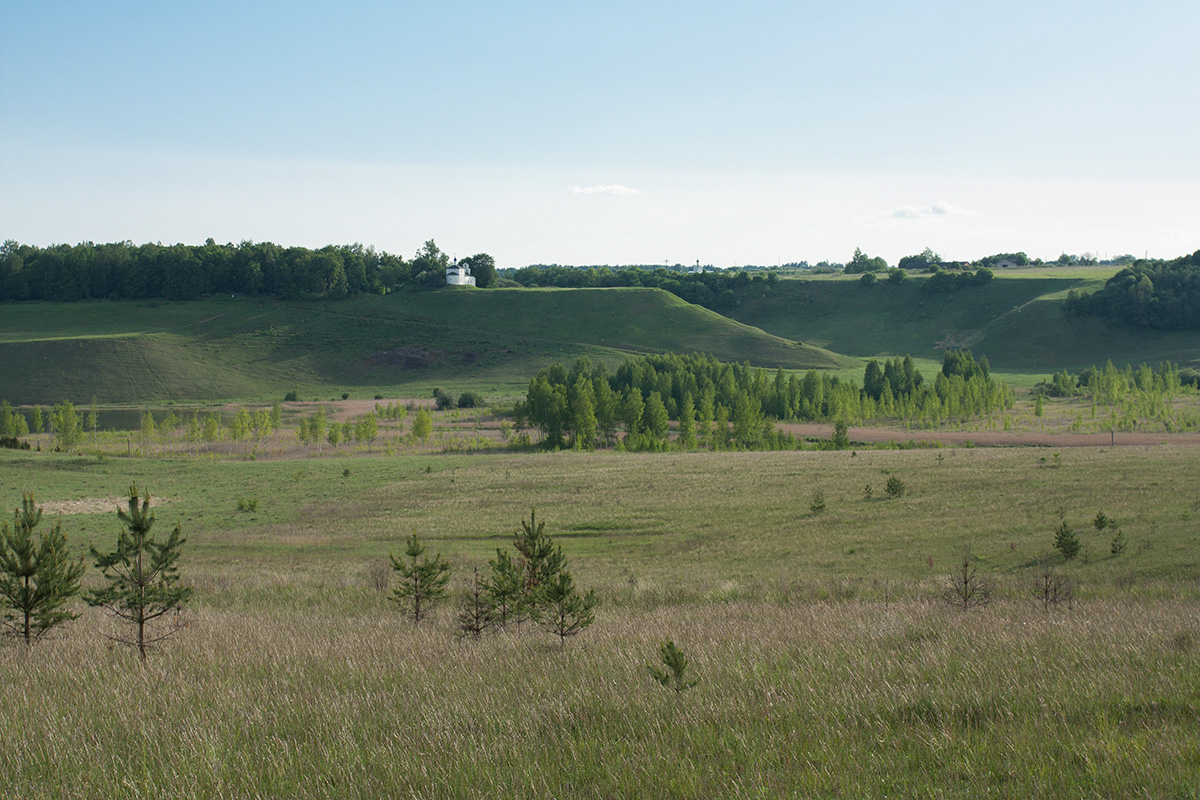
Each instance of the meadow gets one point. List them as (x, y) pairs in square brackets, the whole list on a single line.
[(829, 663)]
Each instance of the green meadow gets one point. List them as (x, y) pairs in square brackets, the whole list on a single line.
[(1016, 320), (829, 663), (403, 343), (830, 657)]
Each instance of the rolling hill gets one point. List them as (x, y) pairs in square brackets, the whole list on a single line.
[(1016, 320), (404, 343)]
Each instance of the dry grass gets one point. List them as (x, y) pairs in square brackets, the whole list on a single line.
[(813, 699)]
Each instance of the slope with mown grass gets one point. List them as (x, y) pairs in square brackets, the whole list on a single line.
[(137, 351), (1017, 321)]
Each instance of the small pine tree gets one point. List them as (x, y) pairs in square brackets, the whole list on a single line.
[(673, 677), (817, 504), (1037, 408), (539, 561), (1118, 543), (1066, 541), (504, 590), (475, 614), (422, 580), (895, 487), (562, 610), (1101, 521), (143, 579), (37, 575)]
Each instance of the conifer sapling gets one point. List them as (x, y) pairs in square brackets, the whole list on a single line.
[(37, 575), (422, 580), (143, 579), (674, 676)]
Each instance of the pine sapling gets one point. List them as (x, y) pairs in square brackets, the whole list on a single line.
[(37, 575), (143, 579), (563, 611), (422, 580), (475, 614), (676, 663), (1118, 543), (1066, 541)]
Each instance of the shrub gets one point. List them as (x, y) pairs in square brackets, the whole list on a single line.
[(291, 397), (471, 400), (895, 487), (1050, 588)]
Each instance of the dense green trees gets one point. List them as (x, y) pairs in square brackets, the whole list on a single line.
[(714, 289), (721, 405), (187, 272), (1149, 294)]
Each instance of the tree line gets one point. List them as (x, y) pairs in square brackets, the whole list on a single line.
[(722, 405), (712, 290), (1149, 294), (123, 270)]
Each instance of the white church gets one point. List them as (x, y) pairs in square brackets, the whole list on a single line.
[(457, 275)]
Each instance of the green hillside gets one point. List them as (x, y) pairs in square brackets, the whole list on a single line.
[(1016, 320), (136, 351)]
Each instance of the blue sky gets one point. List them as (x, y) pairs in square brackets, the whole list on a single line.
[(618, 132)]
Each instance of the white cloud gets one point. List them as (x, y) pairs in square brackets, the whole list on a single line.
[(615, 190), (939, 209)]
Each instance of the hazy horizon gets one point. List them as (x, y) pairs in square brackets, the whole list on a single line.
[(618, 134)]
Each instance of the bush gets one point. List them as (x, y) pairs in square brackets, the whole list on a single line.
[(291, 397), (471, 400), (895, 487)]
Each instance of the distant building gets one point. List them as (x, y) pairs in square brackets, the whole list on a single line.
[(1006, 264), (696, 270), (457, 275)]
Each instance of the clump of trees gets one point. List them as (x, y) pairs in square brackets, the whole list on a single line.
[(532, 583), (720, 406), (714, 289), (1149, 294)]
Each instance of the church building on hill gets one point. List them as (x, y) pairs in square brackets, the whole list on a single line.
[(457, 275)]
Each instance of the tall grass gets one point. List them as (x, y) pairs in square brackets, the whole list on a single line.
[(828, 665), (807, 699)]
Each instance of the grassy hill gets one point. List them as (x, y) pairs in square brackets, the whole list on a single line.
[(1016, 320), (227, 348)]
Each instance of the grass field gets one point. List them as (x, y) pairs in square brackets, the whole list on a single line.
[(1016, 320), (829, 666), (406, 343)]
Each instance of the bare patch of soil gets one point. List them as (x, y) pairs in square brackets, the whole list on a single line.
[(93, 505), (997, 438), (407, 357)]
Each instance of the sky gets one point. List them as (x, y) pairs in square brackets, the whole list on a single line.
[(607, 133)]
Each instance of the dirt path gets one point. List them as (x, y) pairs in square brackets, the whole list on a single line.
[(997, 438)]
